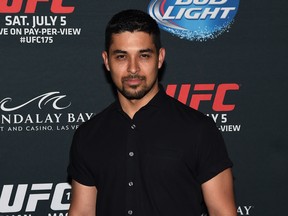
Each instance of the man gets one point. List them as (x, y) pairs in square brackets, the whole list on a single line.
[(146, 154)]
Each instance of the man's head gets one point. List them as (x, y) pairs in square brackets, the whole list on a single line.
[(133, 54), (132, 21)]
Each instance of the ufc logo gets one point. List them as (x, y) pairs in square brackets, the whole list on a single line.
[(14, 6), (11, 202), (204, 92)]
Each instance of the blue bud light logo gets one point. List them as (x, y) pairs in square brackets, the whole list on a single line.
[(195, 20)]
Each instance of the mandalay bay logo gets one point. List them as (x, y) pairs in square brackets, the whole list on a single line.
[(14, 117), (195, 20)]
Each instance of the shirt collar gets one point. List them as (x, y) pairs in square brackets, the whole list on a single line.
[(156, 101)]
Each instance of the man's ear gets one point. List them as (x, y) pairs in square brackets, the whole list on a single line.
[(106, 60), (161, 57)]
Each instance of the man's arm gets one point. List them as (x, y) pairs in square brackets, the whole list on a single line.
[(219, 196), (83, 201)]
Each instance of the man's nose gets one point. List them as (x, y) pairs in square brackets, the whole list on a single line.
[(133, 66)]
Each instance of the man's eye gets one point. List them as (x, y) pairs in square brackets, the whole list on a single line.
[(120, 57), (145, 55)]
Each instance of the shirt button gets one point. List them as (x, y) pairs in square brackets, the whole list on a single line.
[(131, 154), (130, 184), (130, 212), (133, 126)]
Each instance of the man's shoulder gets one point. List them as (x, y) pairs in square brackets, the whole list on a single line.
[(97, 120), (184, 115), (185, 111)]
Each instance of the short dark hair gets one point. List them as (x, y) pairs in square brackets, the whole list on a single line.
[(132, 20)]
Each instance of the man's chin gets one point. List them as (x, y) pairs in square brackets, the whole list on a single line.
[(133, 94)]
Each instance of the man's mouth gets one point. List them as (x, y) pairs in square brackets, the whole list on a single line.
[(133, 80)]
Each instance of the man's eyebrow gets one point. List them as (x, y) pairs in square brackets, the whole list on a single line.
[(146, 50), (119, 52)]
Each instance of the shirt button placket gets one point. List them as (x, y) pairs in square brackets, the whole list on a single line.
[(132, 138)]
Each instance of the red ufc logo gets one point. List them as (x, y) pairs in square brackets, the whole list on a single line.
[(205, 92), (14, 6)]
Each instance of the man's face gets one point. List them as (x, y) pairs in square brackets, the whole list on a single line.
[(133, 62)]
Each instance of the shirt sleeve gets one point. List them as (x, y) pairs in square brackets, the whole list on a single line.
[(78, 168), (212, 153)]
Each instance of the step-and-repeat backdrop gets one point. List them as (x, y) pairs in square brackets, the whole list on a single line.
[(226, 58)]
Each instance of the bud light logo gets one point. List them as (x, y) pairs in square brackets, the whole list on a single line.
[(194, 20)]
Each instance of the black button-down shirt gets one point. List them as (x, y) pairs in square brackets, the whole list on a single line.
[(151, 165)]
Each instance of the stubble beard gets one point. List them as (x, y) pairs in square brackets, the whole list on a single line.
[(135, 92)]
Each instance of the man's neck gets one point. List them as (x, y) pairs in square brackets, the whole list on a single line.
[(130, 107)]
